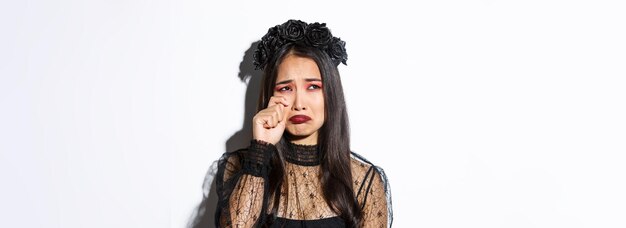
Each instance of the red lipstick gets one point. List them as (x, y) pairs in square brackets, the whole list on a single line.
[(298, 119)]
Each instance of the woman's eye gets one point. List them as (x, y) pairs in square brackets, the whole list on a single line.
[(284, 88), (314, 87)]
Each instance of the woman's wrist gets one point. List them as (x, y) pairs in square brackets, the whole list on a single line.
[(256, 160)]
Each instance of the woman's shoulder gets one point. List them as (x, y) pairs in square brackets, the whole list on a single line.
[(365, 172), (360, 165), (230, 163), (368, 179), (233, 156)]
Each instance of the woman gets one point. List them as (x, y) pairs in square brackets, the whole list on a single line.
[(298, 170)]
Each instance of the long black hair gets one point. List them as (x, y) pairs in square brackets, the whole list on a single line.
[(333, 137)]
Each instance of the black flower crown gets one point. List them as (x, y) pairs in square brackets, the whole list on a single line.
[(296, 31)]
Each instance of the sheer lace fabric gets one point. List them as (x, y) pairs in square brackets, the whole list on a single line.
[(303, 198), (243, 184)]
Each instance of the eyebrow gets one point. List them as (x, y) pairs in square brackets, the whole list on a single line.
[(307, 79)]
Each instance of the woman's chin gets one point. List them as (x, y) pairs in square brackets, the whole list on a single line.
[(299, 134)]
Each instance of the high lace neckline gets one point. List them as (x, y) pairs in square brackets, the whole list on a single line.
[(306, 155)]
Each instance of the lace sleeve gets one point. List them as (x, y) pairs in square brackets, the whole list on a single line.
[(373, 193), (376, 207), (241, 183)]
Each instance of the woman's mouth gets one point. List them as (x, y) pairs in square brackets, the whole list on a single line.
[(298, 119)]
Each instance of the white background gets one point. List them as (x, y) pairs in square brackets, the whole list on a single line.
[(483, 113)]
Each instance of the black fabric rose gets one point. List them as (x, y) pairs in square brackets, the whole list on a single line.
[(260, 56), (337, 51), (272, 40), (293, 30), (318, 35), (296, 31)]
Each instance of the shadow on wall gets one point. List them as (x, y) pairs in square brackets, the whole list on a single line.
[(203, 215)]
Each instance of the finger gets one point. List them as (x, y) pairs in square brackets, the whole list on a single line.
[(279, 110), (282, 121), (278, 100), (259, 118), (265, 119), (271, 122)]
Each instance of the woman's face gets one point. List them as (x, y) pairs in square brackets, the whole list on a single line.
[(299, 81)]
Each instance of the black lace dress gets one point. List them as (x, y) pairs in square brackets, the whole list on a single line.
[(242, 184)]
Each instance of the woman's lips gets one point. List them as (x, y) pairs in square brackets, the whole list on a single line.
[(298, 119)]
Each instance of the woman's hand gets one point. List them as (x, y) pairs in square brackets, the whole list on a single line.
[(269, 124)]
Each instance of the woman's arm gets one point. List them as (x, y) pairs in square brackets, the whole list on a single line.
[(376, 199), (372, 191), (242, 191), (247, 200)]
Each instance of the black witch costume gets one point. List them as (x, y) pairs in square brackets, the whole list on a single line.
[(243, 176)]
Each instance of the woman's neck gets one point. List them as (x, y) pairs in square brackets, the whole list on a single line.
[(304, 140), (301, 154)]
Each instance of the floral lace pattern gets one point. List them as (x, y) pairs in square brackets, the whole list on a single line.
[(242, 185)]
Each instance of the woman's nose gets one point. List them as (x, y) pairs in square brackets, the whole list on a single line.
[(298, 104)]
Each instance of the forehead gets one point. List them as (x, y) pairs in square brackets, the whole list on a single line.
[(294, 67)]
